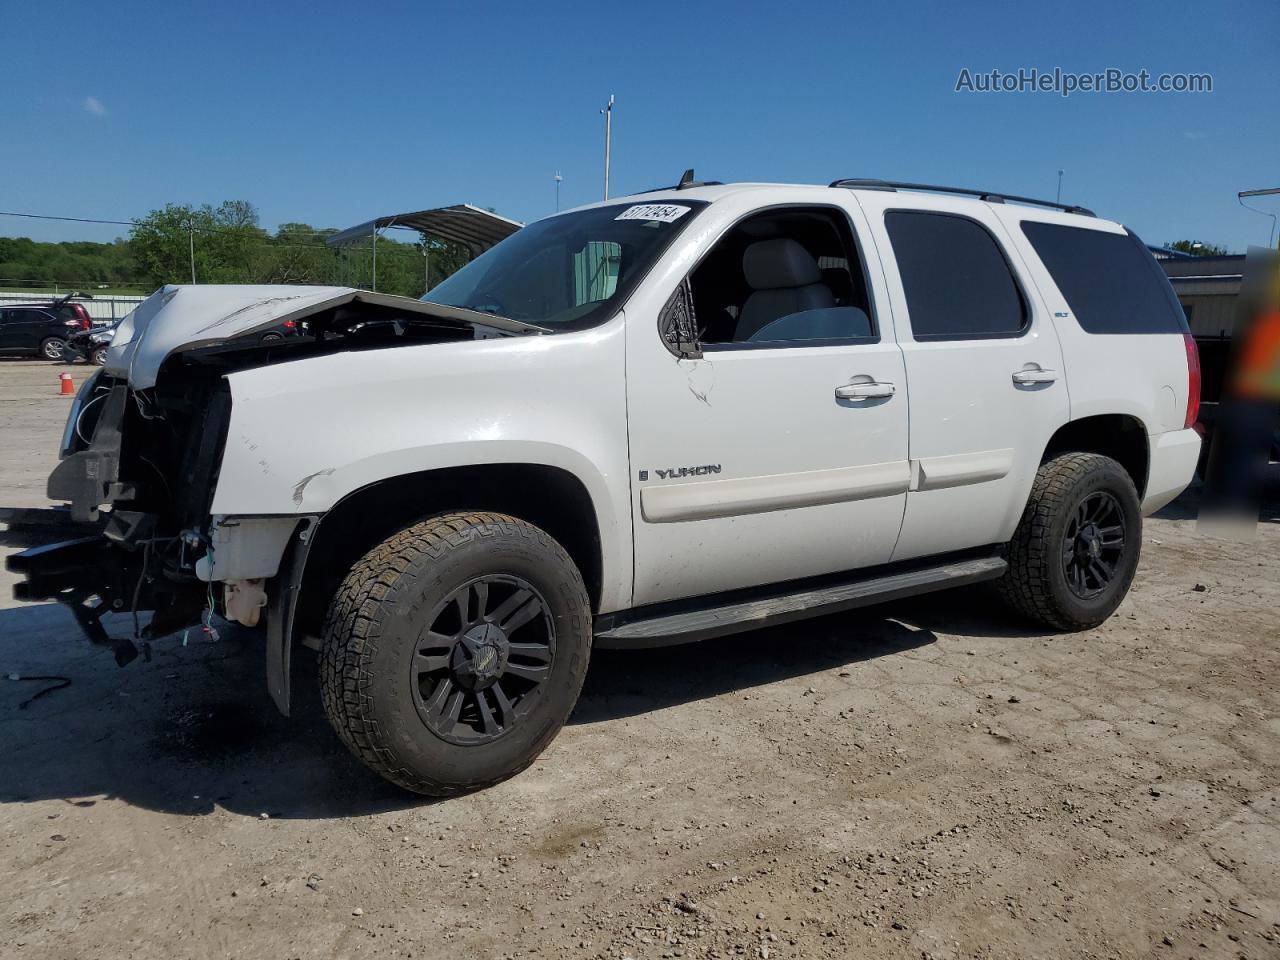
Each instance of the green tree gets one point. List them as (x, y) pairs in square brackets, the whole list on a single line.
[(217, 241), (1198, 249)]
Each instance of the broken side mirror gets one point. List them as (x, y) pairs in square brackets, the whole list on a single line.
[(677, 325)]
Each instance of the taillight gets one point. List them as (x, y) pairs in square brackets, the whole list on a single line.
[(1193, 380), (84, 321), (289, 324)]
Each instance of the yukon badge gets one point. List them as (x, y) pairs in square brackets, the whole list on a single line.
[(675, 473)]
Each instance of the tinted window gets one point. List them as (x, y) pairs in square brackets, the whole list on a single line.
[(956, 278), (27, 316), (1110, 280)]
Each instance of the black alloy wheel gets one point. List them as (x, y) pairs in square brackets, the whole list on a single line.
[(1093, 545), (480, 664)]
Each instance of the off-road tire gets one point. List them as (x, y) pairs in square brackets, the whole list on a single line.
[(371, 630), (52, 348), (1035, 584)]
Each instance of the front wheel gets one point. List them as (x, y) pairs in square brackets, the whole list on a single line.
[(98, 356), (1075, 551), (455, 650)]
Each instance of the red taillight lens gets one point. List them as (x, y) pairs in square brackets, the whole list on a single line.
[(84, 322), (290, 324), (1193, 380)]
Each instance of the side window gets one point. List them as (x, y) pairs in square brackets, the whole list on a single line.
[(786, 277), (1110, 280), (957, 281)]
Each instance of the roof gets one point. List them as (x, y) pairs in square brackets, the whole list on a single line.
[(713, 191), (474, 228)]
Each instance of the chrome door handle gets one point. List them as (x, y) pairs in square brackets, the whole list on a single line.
[(865, 391), (1035, 376)]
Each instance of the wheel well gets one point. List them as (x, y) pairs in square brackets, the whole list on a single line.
[(1120, 437), (547, 497)]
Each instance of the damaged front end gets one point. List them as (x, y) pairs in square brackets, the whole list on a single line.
[(151, 456), (144, 443)]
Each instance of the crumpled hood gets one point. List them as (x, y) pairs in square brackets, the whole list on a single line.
[(181, 317), (177, 318)]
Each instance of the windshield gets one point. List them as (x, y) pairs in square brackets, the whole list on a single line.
[(568, 272)]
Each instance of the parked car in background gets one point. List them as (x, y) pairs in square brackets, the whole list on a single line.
[(90, 345), (41, 329)]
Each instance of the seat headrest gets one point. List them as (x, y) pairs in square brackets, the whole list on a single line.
[(778, 264)]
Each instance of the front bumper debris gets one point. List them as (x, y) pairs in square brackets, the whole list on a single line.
[(86, 576)]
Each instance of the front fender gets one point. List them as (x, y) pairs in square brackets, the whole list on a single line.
[(304, 435)]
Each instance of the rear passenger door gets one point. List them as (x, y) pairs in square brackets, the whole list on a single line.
[(983, 365)]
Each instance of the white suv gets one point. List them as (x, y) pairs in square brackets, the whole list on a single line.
[(652, 420)]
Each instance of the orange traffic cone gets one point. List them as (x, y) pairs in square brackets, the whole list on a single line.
[(68, 388)]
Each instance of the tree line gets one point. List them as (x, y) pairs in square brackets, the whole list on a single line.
[(226, 244)]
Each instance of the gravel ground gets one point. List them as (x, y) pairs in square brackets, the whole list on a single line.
[(927, 779)]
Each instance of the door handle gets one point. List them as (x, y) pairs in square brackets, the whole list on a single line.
[(1035, 375), (865, 391)]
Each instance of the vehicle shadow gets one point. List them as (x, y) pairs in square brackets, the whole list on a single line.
[(624, 683), (192, 729), (188, 731)]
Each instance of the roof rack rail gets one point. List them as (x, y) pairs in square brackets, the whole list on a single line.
[(866, 184)]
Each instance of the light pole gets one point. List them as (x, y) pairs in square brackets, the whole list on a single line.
[(558, 179), (608, 141), (1268, 192), (1059, 198), (191, 239)]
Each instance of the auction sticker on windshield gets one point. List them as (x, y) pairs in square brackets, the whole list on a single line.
[(664, 212)]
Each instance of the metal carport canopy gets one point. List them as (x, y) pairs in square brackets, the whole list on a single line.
[(474, 228)]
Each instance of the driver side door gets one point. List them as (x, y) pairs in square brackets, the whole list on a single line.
[(773, 458)]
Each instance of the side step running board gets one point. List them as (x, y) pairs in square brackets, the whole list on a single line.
[(716, 620)]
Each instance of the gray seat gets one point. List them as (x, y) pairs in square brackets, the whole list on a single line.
[(784, 279)]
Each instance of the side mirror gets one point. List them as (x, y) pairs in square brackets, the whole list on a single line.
[(677, 326)]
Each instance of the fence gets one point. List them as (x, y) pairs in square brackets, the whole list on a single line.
[(106, 309)]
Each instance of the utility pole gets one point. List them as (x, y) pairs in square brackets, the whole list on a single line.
[(1059, 198), (375, 259), (558, 179), (1269, 192), (191, 238), (608, 141)]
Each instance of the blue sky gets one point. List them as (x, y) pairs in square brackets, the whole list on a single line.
[(332, 113)]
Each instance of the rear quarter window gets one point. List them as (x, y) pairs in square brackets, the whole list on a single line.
[(1110, 280)]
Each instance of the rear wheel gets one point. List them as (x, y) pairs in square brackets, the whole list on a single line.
[(455, 650), (52, 348), (1076, 548)]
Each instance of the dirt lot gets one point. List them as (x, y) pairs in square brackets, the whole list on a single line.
[(929, 779)]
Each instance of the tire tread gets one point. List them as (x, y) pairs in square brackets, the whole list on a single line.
[(1026, 586), (351, 633)]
